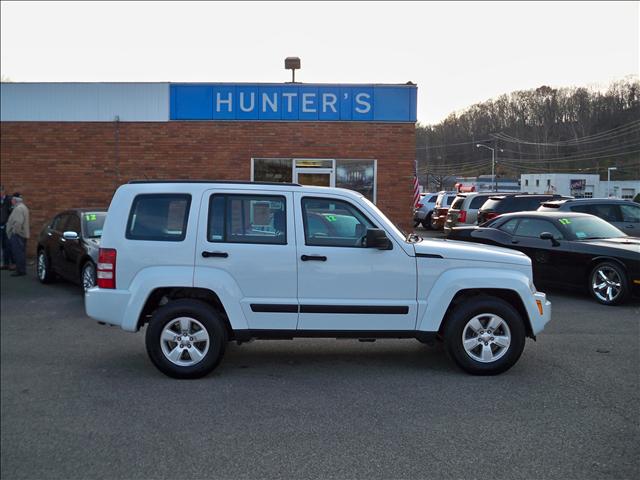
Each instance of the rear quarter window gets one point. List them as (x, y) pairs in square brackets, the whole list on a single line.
[(492, 204), (160, 217), (457, 203), (478, 201)]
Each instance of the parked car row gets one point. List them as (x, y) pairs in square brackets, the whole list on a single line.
[(476, 208)]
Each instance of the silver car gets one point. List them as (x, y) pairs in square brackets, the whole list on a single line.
[(623, 214), (424, 209), (464, 209)]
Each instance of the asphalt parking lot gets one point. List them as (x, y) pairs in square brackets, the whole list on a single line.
[(81, 400)]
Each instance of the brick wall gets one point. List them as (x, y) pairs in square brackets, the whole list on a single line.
[(59, 165)]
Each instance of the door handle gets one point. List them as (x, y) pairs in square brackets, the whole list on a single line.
[(515, 241), (206, 254), (319, 258)]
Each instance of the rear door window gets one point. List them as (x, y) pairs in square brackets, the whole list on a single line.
[(235, 218), (450, 199), (160, 217)]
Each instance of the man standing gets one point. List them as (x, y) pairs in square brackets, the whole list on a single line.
[(18, 233), (5, 211)]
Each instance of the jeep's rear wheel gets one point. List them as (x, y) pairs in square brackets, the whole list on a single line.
[(186, 339), (485, 336)]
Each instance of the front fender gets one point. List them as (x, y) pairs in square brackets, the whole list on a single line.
[(431, 311)]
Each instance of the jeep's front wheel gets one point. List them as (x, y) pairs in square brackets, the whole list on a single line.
[(485, 336), (186, 339)]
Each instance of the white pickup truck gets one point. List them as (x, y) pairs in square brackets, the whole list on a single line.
[(206, 262)]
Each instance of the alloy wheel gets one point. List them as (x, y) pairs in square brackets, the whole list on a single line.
[(606, 284), (184, 341), (88, 276), (42, 266), (486, 338)]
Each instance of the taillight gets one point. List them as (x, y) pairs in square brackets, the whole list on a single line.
[(490, 215), (462, 216), (419, 205), (106, 273)]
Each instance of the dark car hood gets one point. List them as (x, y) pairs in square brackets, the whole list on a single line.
[(630, 244)]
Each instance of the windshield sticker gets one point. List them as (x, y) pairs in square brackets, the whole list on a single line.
[(97, 233), (330, 218), (90, 217), (564, 221), (581, 235)]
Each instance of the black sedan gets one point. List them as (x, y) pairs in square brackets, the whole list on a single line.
[(570, 250), (68, 247)]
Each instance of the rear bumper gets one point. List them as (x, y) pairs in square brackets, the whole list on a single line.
[(109, 306)]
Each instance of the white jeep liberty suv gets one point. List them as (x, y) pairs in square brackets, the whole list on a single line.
[(207, 262)]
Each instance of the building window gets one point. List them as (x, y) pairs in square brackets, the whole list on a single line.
[(537, 183), (353, 174), (548, 182), (273, 170), (588, 195), (526, 182), (628, 193), (358, 175)]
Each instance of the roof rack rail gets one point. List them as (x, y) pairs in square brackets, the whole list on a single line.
[(232, 182)]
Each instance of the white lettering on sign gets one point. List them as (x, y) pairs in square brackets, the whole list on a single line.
[(251, 105), (263, 102), (307, 102), (329, 100), (273, 104), (289, 96), (219, 102), (364, 106)]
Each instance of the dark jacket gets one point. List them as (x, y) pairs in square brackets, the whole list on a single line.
[(5, 209)]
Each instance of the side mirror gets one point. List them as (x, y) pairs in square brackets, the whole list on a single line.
[(377, 238), (549, 236), (70, 235)]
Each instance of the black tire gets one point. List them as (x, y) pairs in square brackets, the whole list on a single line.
[(89, 268), (433, 222), (43, 270), (201, 313), (426, 223), (616, 275), (464, 314)]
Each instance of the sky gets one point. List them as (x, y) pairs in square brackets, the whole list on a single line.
[(458, 53)]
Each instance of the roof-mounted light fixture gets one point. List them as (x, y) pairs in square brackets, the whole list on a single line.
[(293, 64)]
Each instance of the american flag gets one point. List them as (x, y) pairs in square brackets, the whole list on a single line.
[(416, 185)]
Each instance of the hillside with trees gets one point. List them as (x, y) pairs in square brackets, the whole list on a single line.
[(543, 130)]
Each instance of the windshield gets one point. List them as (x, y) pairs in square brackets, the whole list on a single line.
[(92, 223), (589, 228)]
